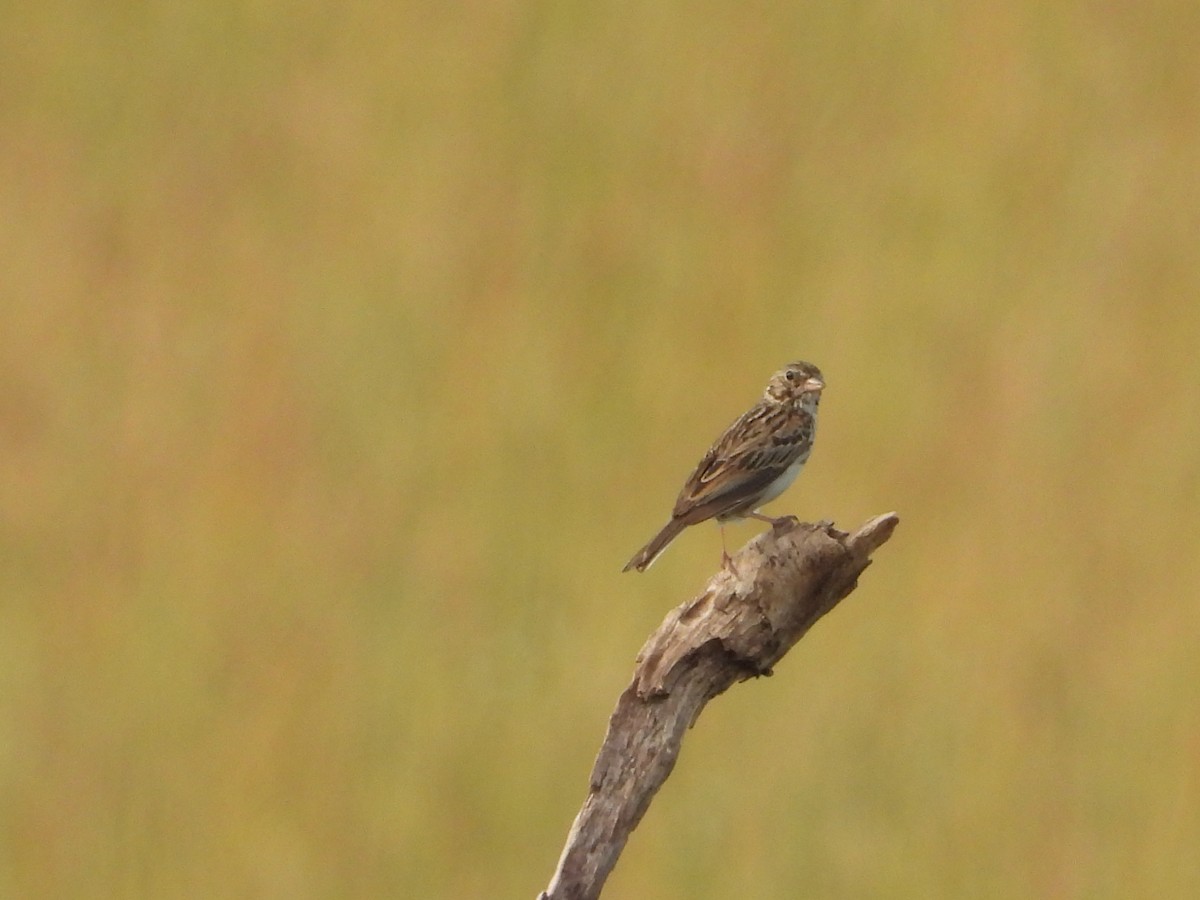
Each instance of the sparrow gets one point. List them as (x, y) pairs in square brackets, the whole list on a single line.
[(750, 464)]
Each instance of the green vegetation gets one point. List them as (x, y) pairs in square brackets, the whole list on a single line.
[(347, 352)]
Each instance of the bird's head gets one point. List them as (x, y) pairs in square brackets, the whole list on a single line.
[(795, 383)]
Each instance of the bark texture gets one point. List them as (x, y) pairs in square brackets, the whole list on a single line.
[(738, 628)]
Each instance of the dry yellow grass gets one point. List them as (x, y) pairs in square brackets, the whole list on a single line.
[(347, 352)]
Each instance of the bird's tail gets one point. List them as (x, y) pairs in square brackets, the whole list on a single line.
[(644, 557)]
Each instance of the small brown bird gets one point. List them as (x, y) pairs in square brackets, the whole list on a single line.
[(751, 464)]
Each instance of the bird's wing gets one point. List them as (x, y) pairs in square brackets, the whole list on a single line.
[(753, 452)]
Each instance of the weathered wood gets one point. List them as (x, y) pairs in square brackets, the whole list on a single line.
[(738, 628)]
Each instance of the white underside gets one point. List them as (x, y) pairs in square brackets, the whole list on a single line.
[(783, 482)]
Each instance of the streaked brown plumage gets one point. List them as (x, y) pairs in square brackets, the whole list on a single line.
[(752, 463)]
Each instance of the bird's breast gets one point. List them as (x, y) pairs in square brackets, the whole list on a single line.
[(784, 481)]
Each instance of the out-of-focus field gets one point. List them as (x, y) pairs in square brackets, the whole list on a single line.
[(348, 351)]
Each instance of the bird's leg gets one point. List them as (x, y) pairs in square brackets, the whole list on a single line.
[(783, 523), (726, 559)]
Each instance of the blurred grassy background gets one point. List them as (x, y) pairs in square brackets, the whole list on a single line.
[(347, 352)]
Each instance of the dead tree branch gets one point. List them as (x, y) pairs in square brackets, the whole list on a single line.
[(738, 628)]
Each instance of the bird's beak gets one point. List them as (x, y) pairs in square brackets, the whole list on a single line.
[(813, 386)]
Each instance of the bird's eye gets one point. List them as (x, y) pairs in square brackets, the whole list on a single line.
[(790, 375)]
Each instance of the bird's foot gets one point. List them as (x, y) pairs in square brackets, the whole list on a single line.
[(784, 524), (781, 525), (727, 564)]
